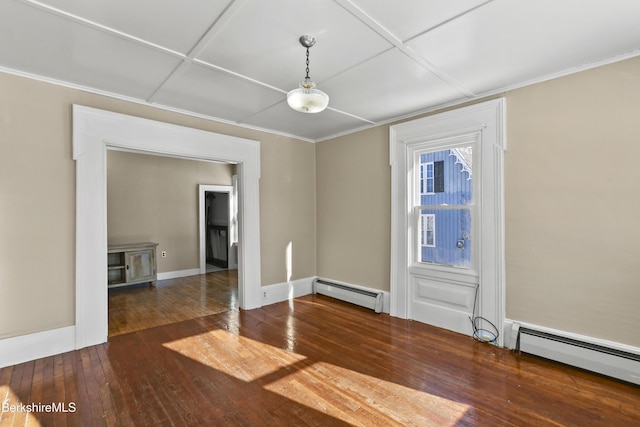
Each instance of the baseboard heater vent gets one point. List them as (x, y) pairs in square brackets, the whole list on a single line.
[(592, 357), (362, 297)]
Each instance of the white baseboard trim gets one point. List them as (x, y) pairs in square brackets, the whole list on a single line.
[(24, 348), (180, 273), (509, 332), (605, 357), (385, 294), (33, 346), (285, 291)]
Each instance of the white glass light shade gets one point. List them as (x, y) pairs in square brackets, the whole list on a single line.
[(307, 99)]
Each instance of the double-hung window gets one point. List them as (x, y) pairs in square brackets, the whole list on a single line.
[(444, 208)]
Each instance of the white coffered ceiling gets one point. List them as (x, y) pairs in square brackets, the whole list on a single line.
[(235, 60)]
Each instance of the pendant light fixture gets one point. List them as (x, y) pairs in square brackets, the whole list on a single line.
[(306, 98)]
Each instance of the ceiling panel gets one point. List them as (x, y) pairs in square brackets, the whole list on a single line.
[(394, 85), (40, 43), (214, 93), (309, 126), (165, 23), (506, 42), (414, 16), (234, 60), (260, 41)]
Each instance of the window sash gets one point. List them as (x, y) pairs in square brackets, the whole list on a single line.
[(463, 255)]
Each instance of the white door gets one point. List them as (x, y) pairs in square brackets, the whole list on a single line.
[(447, 262)]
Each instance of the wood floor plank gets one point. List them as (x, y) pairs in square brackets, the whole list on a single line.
[(141, 307), (310, 362), (5, 393), (16, 395)]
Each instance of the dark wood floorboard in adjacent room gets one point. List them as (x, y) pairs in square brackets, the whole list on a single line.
[(141, 307), (311, 362)]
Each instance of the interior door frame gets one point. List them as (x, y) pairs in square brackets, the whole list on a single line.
[(95, 131), (203, 189), (487, 118)]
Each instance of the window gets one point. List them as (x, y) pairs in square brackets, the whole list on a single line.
[(428, 230), (422, 288), (444, 206), (432, 177), (426, 178)]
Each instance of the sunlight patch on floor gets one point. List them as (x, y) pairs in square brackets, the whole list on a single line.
[(237, 356), (355, 397), (342, 393), (13, 410)]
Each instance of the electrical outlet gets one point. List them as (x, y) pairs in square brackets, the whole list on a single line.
[(264, 294), (164, 254)]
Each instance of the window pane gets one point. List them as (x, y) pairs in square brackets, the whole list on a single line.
[(449, 232), (446, 177)]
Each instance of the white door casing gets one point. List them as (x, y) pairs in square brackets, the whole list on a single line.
[(487, 121), (94, 131), (202, 225)]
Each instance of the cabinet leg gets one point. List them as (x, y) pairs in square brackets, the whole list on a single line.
[(152, 284)]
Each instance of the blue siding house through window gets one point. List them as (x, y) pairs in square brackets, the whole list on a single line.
[(452, 187)]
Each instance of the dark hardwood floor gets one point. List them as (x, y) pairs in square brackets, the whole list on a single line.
[(136, 308), (311, 362)]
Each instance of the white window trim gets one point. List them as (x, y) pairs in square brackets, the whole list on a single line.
[(489, 119)]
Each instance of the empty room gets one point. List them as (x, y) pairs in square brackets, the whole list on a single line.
[(335, 212)]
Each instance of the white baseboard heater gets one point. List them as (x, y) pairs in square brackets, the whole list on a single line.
[(361, 297), (592, 357)]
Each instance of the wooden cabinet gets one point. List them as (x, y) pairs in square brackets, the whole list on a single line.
[(132, 263)]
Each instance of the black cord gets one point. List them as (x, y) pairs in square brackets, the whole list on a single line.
[(480, 334)]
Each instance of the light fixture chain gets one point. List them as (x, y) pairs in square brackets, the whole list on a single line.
[(306, 98)]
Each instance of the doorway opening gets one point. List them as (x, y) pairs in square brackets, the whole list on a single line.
[(155, 199), (218, 225), (217, 241), (94, 132)]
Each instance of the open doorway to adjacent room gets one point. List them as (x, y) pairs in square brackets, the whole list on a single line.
[(161, 200), (218, 225), (217, 239), (95, 132)]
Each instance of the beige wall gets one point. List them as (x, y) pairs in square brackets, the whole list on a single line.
[(37, 210), (572, 202), (288, 202), (155, 199), (37, 200), (354, 215)]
